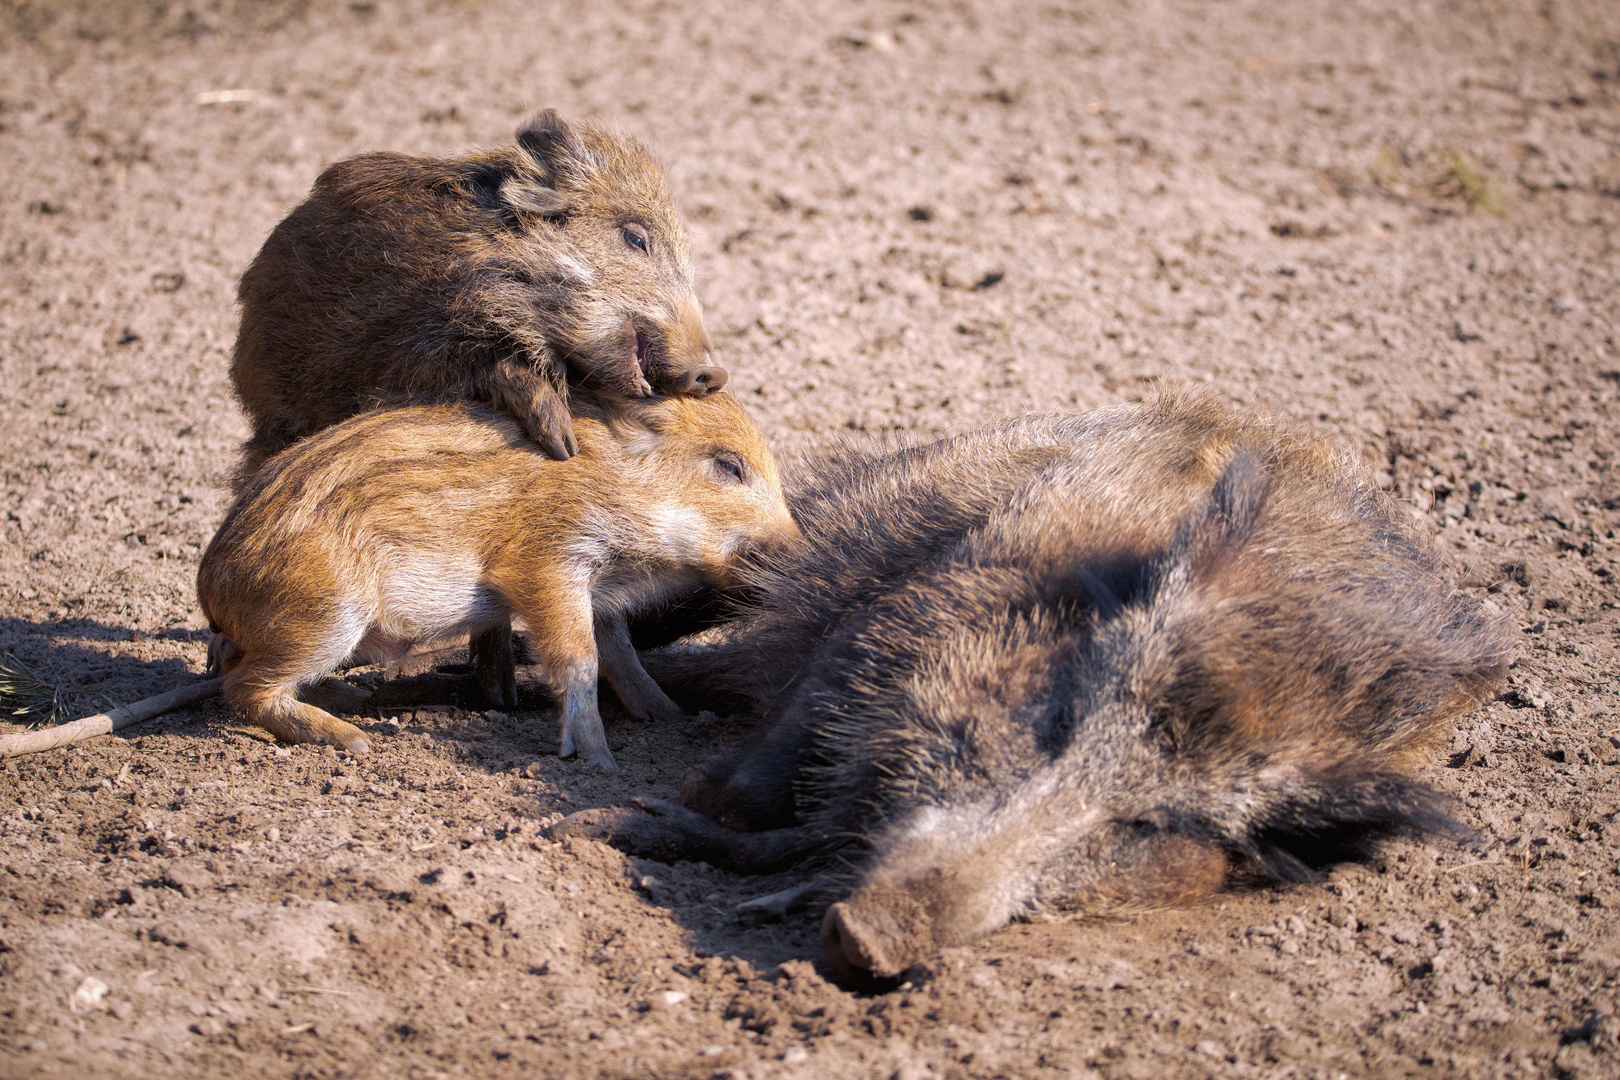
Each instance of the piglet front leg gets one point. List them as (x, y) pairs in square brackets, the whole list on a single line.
[(581, 720), (559, 617)]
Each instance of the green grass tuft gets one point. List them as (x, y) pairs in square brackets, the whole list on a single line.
[(26, 698)]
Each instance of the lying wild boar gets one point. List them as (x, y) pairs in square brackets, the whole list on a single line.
[(1080, 664), (406, 526), (486, 278)]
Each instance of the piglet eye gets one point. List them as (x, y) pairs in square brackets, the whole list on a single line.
[(634, 237), (730, 467)]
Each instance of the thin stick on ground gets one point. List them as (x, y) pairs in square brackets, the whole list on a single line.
[(33, 742)]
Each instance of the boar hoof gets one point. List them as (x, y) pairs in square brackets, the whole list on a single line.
[(549, 425)]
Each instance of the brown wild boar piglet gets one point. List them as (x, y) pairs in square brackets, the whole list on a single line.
[(487, 277), (414, 525)]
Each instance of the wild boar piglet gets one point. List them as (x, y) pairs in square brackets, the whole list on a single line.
[(429, 523), (490, 277)]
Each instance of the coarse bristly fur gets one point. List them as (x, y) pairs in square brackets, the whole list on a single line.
[(1082, 664), (419, 524), (488, 277)]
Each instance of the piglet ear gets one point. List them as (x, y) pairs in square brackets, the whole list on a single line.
[(533, 198), (549, 140)]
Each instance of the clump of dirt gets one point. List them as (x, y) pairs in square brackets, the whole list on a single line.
[(908, 219)]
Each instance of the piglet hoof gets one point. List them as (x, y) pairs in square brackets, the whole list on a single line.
[(494, 664), (594, 751), (604, 758), (549, 424), (659, 710), (349, 738), (221, 650)]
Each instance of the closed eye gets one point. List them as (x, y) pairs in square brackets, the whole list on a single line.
[(730, 467)]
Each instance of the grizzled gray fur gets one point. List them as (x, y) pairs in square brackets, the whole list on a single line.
[(1082, 664)]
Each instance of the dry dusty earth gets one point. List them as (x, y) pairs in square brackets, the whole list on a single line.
[(1393, 220)]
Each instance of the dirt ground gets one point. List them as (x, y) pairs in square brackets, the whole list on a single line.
[(1392, 219)]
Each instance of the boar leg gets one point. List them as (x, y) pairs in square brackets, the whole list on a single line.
[(538, 403), (490, 652), (559, 616), (752, 788), (640, 696), (671, 833)]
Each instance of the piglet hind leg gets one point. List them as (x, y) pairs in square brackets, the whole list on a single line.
[(642, 698), (273, 705)]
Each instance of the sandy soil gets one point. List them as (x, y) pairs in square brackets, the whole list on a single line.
[(1395, 220)]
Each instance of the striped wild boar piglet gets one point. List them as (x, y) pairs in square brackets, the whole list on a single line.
[(1078, 664), (415, 525), (490, 277)]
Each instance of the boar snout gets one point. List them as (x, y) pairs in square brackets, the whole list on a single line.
[(897, 919), (866, 942)]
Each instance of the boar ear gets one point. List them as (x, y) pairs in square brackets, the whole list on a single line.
[(1230, 515), (531, 197), (549, 140)]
